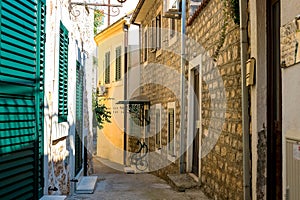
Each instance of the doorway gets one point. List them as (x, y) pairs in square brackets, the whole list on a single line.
[(195, 150), (274, 108)]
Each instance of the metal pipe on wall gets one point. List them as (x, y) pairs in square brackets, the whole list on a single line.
[(182, 88)]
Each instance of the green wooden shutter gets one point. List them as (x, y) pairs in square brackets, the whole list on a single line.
[(79, 119), (63, 74), (22, 38), (107, 67), (118, 63)]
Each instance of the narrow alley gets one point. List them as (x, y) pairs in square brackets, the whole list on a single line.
[(149, 99), (113, 183)]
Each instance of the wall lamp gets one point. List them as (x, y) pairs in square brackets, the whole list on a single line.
[(76, 13)]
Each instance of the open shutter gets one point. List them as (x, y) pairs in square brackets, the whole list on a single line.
[(22, 38), (79, 119), (118, 63), (63, 74), (107, 68)]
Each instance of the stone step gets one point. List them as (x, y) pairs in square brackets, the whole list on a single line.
[(181, 182), (129, 170), (86, 185), (53, 197)]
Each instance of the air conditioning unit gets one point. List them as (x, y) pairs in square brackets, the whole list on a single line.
[(171, 8), (101, 90)]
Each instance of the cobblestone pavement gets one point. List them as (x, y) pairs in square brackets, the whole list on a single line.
[(114, 184)]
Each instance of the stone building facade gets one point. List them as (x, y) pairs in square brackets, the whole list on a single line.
[(217, 36), (213, 51), (160, 85)]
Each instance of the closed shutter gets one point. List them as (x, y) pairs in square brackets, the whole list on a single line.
[(63, 74), (157, 127), (171, 130), (79, 118), (22, 38), (107, 68), (118, 63)]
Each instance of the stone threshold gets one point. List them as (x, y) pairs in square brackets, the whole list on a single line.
[(181, 182), (86, 185), (53, 197)]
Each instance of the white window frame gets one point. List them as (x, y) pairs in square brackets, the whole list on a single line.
[(152, 35), (145, 45), (171, 155), (158, 127), (172, 39), (158, 32)]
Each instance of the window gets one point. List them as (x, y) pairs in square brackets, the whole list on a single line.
[(171, 130), (158, 31), (158, 126), (118, 63), (145, 42), (172, 31), (63, 74), (153, 35), (79, 118), (107, 67)]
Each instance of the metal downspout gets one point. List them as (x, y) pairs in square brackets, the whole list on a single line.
[(245, 103), (125, 28), (182, 88)]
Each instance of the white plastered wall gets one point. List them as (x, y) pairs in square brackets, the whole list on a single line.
[(259, 90)]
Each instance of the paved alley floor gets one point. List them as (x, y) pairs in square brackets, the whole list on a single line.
[(114, 184)]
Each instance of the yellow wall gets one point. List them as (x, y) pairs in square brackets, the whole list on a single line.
[(110, 141)]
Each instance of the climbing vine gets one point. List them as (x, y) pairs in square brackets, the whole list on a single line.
[(234, 10), (230, 8)]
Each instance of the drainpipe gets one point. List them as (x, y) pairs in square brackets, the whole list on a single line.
[(182, 88), (245, 97), (125, 88)]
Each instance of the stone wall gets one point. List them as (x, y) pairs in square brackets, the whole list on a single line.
[(160, 84), (58, 166), (218, 39)]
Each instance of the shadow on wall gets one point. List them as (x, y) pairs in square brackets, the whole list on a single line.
[(60, 147)]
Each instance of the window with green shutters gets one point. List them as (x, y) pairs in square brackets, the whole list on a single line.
[(79, 118), (118, 63), (22, 60), (63, 74), (107, 67)]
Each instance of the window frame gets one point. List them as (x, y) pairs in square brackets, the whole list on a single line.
[(172, 33), (158, 128), (145, 45), (171, 155), (158, 28)]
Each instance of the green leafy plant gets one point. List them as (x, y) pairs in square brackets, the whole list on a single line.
[(101, 112), (234, 10), (98, 19)]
